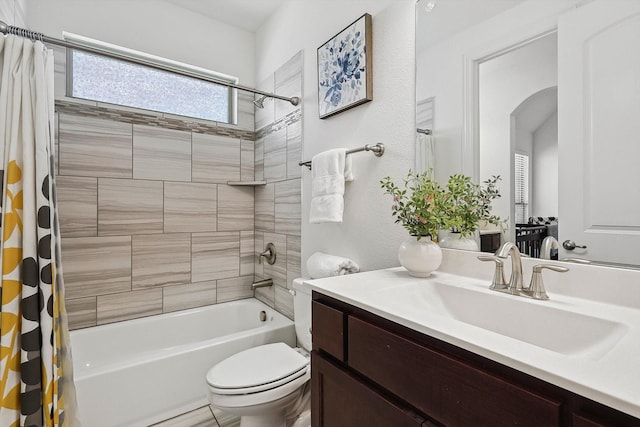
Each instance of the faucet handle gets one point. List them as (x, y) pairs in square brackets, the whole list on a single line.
[(536, 287), (499, 283), (269, 254)]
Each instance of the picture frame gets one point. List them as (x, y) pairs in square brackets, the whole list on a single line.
[(345, 75)]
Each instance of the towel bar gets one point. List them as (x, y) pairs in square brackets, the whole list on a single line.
[(378, 151)]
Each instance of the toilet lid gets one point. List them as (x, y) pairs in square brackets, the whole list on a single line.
[(258, 366)]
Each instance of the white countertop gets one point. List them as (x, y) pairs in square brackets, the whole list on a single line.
[(609, 375)]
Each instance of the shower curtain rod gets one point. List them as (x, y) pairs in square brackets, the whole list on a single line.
[(33, 35)]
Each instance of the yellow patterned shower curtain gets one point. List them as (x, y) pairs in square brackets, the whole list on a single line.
[(36, 379)]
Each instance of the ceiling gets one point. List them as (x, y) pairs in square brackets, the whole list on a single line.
[(446, 18), (245, 14)]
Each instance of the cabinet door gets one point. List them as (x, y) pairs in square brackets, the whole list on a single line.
[(327, 329), (450, 391), (606, 417), (341, 400), (580, 421)]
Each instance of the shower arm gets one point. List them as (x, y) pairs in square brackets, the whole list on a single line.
[(33, 35)]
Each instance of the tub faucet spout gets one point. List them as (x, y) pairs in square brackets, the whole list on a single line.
[(515, 282)]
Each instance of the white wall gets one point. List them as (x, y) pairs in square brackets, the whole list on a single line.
[(368, 234), (152, 26), (545, 169), (13, 12), (505, 82), (441, 73)]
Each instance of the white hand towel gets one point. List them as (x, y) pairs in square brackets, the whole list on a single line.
[(324, 265), (329, 171), (348, 168), (425, 153)]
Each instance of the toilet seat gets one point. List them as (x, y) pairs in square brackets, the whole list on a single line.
[(257, 369)]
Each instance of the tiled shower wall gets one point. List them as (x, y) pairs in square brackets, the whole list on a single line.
[(148, 221), (278, 149)]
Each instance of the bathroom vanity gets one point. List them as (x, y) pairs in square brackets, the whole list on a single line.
[(380, 359)]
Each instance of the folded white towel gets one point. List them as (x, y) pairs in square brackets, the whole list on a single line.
[(330, 170), (324, 265)]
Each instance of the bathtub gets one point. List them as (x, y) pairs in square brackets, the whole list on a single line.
[(138, 372)]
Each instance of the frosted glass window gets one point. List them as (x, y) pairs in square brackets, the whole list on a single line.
[(103, 79)]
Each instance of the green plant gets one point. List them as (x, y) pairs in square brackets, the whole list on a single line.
[(419, 204), (469, 203)]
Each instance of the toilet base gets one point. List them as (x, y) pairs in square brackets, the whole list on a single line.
[(269, 413)]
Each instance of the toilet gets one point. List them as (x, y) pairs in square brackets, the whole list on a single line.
[(267, 384)]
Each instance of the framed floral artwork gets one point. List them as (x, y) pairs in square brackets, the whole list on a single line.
[(345, 77)]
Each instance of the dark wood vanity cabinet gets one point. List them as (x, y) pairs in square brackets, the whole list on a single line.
[(347, 401), (368, 371)]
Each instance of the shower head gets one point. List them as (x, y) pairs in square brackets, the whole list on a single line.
[(260, 102)]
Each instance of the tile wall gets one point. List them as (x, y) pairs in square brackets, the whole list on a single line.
[(148, 221), (278, 149)]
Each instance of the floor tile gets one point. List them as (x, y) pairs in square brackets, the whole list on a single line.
[(201, 417), (224, 419)]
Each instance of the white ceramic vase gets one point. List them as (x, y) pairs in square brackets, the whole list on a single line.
[(420, 257), (456, 241)]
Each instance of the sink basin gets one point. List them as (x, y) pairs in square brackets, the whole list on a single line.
[(535, 322)]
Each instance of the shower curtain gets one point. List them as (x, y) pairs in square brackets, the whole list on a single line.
[(36, 378)]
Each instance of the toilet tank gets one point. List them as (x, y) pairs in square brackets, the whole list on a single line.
[(302, 313)]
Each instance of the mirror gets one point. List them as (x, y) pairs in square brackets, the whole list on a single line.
[(544, 95)]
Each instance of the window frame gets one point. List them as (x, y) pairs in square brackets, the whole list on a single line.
[(232, 93)]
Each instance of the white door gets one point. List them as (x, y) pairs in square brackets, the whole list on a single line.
[(599, 130)]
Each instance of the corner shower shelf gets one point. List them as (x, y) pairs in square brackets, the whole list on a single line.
[(247, 183)]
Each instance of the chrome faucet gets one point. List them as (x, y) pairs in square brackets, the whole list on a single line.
[(548, 245), (515, 281), (498, 283), (535, 289)]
